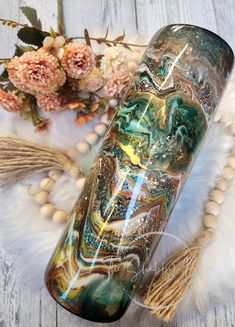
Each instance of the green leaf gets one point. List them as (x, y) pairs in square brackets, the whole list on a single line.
[(4, 74), (31, 15), (20, 49), (31, 35), (9, 87)]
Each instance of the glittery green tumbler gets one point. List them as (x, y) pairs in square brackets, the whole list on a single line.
[(139, 172)]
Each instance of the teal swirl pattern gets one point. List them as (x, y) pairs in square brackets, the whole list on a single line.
[(139, 172)]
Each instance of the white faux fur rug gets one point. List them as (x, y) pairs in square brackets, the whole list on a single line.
[(25, 233)]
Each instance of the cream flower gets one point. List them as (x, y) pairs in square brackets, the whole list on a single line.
[(78, 60), (117, 84), (50, 42), (53, 102), (36, 72), (93, 82), (114, 60), (54, 44), (10, 101)]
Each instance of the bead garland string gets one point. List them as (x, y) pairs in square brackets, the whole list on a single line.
[(215, 197)]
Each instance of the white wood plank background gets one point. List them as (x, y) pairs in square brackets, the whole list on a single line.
[(23, 308)]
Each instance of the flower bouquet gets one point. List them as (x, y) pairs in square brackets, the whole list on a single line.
[(54, 73)]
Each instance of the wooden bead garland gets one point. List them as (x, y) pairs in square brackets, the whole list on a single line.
[(216, 195), (47, 209), (92, 138)]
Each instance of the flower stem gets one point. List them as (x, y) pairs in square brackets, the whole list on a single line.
[(102, 40), (39, 122), (4, 60), (61, 26)]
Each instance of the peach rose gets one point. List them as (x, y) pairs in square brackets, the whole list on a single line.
[(117, 84), (78, 60), (10, 101), (36, 72), (53, 102)]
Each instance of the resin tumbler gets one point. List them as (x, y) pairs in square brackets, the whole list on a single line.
[(139, 172)]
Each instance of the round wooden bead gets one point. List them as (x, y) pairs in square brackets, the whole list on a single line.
[(60, 216), (83, 147), (221, 184), (42, 197), (72, 153), (232, 128), (231, 162), (212, 208), (47, 210), (55, 174), (209, 221), (113, 103), (217, 196), (47, 184), (226, 118), (135, 57), (104, 119), (100, 129), (228, 173), (92, 138), (80, 182), (132, 66)]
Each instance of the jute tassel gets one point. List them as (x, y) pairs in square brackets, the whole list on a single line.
[(20, 158), (174, 277)]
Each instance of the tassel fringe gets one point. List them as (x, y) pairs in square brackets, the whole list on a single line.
[(20, 158), (174, 277)]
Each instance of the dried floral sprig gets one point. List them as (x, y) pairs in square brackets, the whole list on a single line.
[(12, 23), (110, 42), (41, 124)]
